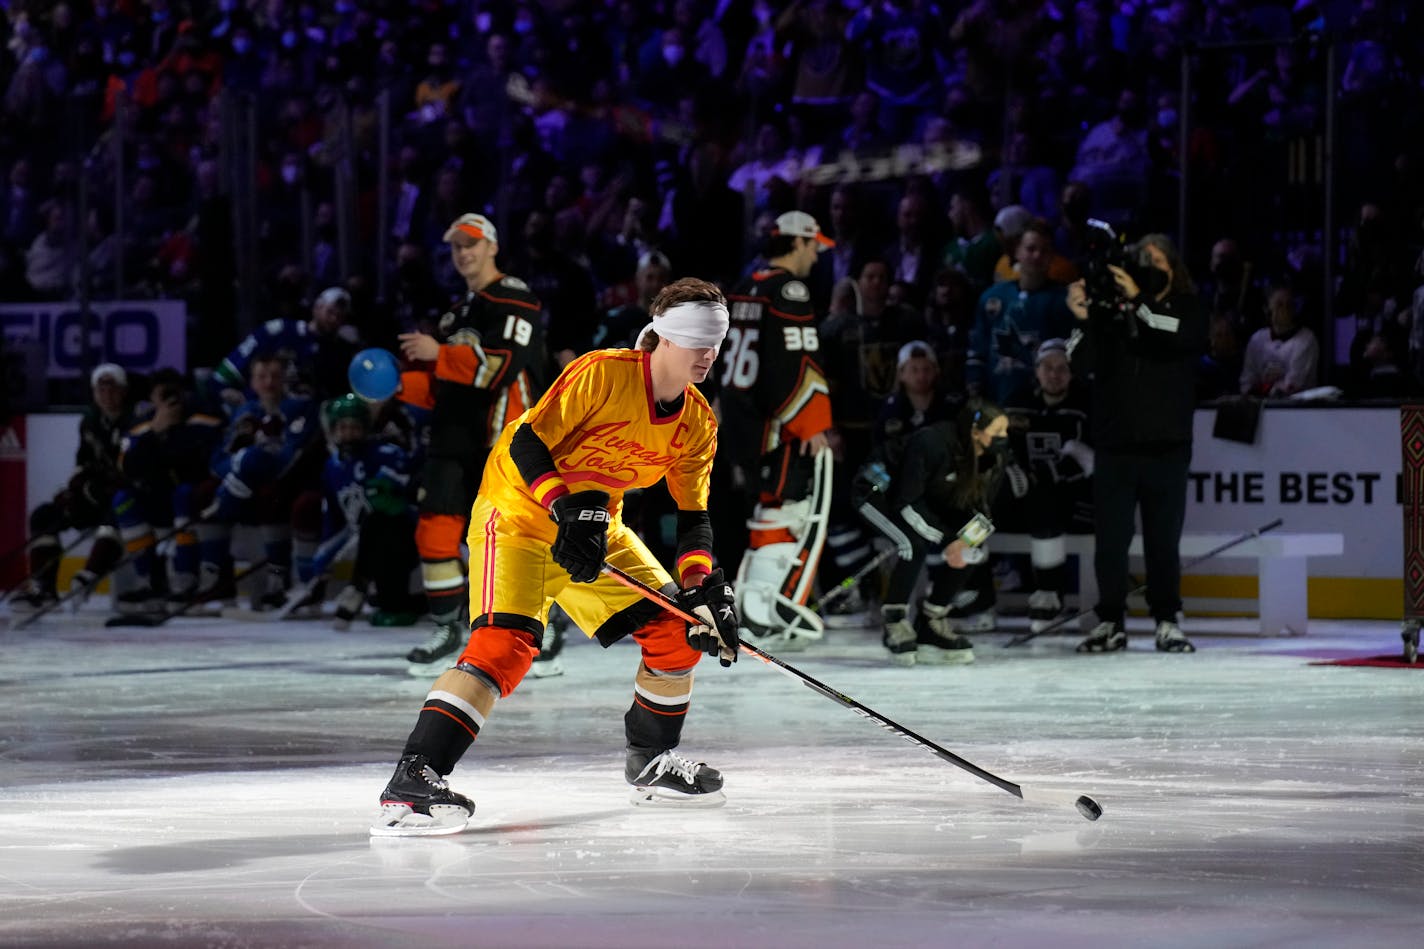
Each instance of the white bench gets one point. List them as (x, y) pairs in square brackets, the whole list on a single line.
[(1281, 573)]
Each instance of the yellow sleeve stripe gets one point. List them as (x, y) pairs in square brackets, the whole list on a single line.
[(548, 488)]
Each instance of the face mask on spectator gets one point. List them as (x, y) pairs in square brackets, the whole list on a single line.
[(672, 54), (290, 174), (523, 25), (483, 21), (1167, 118)]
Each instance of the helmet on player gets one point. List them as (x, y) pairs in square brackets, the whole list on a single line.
[(347, 419), (374, 375)]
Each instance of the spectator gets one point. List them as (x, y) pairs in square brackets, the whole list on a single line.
[(563, 287), (1220, 371), (1229, 291), (864, 133), (973, 247), (1383, 357), (1113, 161), (620, 326), (48, 264), (910, 255), (1281, 358), (20, 207), (1013, 318)]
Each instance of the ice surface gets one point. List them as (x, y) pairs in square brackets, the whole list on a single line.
[(210, 783)]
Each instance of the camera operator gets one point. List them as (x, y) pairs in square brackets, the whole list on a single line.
[(1145, 330)]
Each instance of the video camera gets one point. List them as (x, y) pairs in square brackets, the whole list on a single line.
[(1104, 249)]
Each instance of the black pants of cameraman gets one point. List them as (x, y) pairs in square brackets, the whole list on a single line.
[(1155, 482)]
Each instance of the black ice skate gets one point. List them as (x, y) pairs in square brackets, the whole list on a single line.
[(668, 779), (546, 665), (899, 634), (938, 640), (418, 803), (439, 652), (1044, 606)]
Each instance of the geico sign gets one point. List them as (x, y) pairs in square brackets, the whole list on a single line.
[(132, 336)]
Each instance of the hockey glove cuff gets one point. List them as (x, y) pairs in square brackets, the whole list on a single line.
[(715, 604), (582, 541)]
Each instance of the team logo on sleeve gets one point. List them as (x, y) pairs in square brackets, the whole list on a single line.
[(514, 283), (446, 322), (795, 290)]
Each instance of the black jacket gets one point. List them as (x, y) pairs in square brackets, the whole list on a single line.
[(1143, 376)]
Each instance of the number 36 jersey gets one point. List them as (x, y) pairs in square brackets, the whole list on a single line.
[(773, 389)]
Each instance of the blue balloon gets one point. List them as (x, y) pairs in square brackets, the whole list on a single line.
[(374, 375)]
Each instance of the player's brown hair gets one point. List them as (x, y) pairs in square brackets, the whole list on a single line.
[(686, 290)]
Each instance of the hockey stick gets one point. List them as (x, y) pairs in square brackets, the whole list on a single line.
[(56, 558), (344, 541), (1194, 562), (849, 583), (161, 617), (88, 588), (1086, 806)]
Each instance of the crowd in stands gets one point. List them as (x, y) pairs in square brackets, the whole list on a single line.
[(601, 134)]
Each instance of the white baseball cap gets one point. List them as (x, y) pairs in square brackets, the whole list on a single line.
[(915, 347), (475, 225), (801, 224), (111, 371)]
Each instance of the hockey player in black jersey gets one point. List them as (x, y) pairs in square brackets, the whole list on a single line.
[(1048, 425)]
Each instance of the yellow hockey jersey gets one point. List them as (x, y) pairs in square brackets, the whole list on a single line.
[(600, 423)]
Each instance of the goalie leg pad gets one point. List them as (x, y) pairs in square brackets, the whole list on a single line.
[(777, 576)]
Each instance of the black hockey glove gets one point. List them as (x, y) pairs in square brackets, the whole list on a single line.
[(582, 542), (715, 604)]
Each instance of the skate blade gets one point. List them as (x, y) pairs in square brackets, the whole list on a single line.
[(546, 670), (933, 656), (398, 820), (905, 659), (674, 800), (849, 620), (427, 669)]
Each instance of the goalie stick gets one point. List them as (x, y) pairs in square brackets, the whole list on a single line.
[(1062, 621), (1086, 806)]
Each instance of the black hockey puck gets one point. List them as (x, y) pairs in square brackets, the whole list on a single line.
[(1088, 807)]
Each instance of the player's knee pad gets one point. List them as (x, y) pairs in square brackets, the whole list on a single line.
[(664, 644), (437, 536), (777, 575), (500, 653)]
